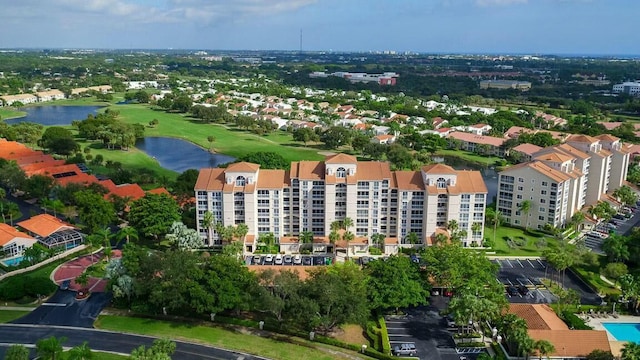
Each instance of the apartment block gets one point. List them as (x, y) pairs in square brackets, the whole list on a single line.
[(313, 194), (560, 180)]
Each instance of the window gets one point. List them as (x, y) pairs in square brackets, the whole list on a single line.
[(441, 183), (341, 173), (240, 181)]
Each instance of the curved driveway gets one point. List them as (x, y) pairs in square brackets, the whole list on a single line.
[(110, 341)]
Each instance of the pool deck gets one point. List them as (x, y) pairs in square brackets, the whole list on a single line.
[(596, 324)]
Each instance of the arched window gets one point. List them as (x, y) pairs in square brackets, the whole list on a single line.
[(341, 173), (441, 183), (240, 181)]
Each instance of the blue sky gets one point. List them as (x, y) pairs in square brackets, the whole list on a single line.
[(432, 26)]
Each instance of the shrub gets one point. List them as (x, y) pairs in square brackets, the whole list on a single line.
[(573, 321)]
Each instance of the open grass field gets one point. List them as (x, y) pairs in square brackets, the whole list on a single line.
[(232, 340), (229, 140), (10, 113), (530, 243), (10, 315)]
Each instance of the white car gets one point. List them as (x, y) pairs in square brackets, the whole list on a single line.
[(278, 260)]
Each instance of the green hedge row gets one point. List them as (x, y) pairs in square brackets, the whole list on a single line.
[(573, 321)]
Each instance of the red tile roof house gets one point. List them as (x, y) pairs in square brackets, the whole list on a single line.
[(472, 142), (543, 324)]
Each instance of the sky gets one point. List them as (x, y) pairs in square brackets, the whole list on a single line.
[(603, 27)]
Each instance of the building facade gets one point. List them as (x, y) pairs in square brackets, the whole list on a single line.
[(560, 180), (313, 194)]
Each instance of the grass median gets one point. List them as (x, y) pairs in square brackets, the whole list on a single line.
[(227, 339)]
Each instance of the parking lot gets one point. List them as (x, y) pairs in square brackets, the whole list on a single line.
[(424, 328), (529, 273), (289, 260)]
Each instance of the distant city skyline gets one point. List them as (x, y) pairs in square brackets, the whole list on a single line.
[(563, 27)]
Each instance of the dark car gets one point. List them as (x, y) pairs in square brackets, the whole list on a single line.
[(523, 290), (512, 291), (65, 285)]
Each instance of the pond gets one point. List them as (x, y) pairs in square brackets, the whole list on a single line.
[(489, 174), (180, 155), (55, 115)]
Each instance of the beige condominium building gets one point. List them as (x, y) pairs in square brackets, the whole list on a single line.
[(313, 194), (560, 180)]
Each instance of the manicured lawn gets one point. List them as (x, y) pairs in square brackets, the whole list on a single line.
[(10, 315), (468, 156), (218, 337), (9, 114), (531, 243), (229, 140)]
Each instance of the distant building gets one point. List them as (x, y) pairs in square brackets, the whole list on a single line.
[(629, 88), (505, 84)]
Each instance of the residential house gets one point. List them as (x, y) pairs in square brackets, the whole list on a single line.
[(488, 145), (13, 243)]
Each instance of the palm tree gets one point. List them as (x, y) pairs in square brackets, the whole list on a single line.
[(208, 222), (80, 352), (476, 229), (543, 347), (631, 351), (50, 348), (127, 233), (241, 231), (525, 207), (305, 237)]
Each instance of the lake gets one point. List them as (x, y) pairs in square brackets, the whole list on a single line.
[(55, 114), (180, 155), (489, 174)]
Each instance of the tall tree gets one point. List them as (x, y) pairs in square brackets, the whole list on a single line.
[(153, 214)]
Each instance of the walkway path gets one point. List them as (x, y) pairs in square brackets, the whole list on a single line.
[(74, 268)]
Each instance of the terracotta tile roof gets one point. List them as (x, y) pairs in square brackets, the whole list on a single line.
[(243, 167), (373, 170), (538, 316), (8, 233), (44, 225), (273, 179), (607, 138), (340, 159), (581, 138), (301, 271), (540, 167), (527, 148), (308, 170), (409, 180), (210, 180), (477, 139), (439, 169), (573, 343)]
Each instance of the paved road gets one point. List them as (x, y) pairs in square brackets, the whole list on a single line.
[(63, 309), (108, 341)]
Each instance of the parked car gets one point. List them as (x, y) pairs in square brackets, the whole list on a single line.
[(405, 349), (287, 259), (512, 291), (279, 259), (523, 290), (297, 259), (268, 259)]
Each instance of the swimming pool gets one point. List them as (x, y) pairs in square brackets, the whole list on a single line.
[(624, 331), (13, 261)]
